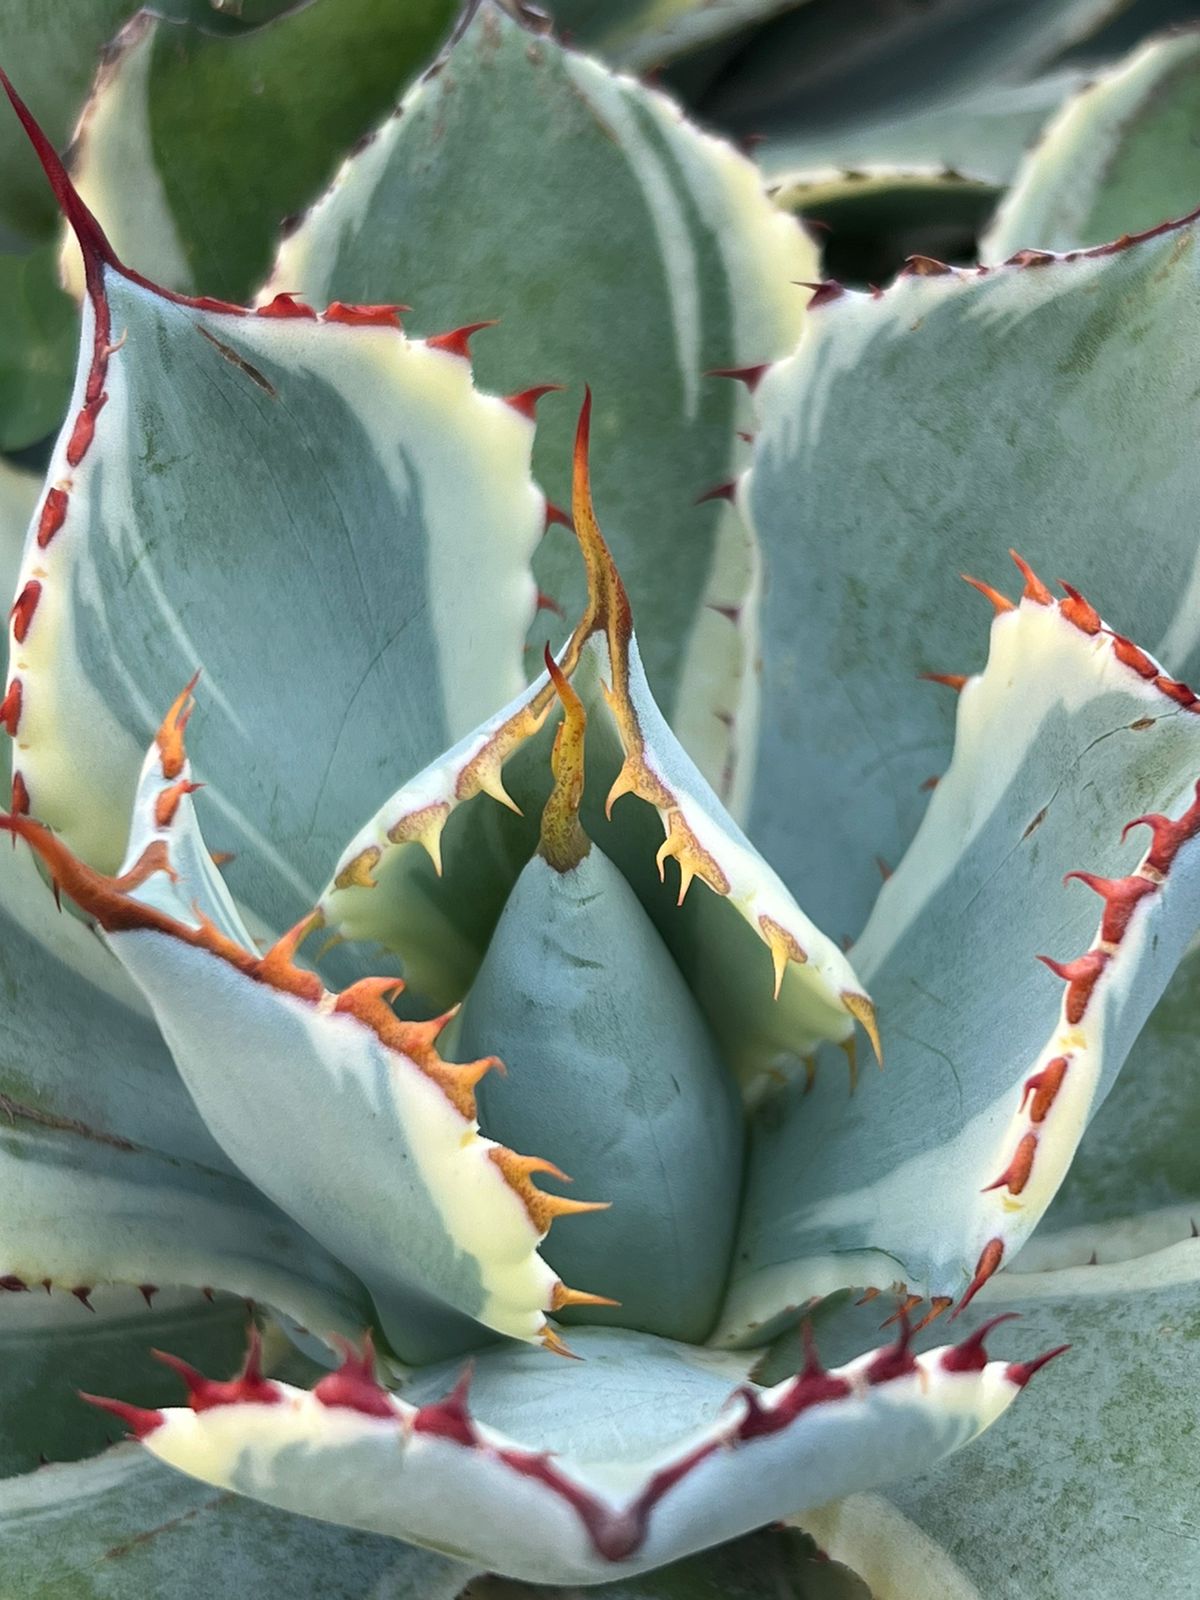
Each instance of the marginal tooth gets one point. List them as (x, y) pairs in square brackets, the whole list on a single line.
[(553, 1342), (862, 1009), (999, 601), (491, 783), (562, 1297), (423, 827), (784, 947), (359, 873), (624, 783)]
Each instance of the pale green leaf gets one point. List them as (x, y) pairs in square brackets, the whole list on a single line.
[(346, 1118), (938, 1168), (1093, 1492), (121, 1526), (636, 34), (810, 70), (329, 519), (982, 135), (640, 1454), (613, 1074), (1118, 158), (620, 247), (1051, 407), (95, 1126)]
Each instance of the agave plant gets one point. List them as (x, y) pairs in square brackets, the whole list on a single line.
[(370, 874)]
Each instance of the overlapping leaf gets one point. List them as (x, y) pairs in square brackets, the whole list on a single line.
[(938, 1169), (620, 247), (1048, 404)]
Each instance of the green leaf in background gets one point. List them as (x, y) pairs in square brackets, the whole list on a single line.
[(121, 1527), (196, 147), (636, 34), (52, 1345), (620, 247), (38, 336), (809, 71), (1121, 156)]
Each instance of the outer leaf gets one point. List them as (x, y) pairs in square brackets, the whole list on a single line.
[(97, 1127), (644, 33), (782, 1562), (810, 69), (1134, 1185), (1026, 373), (392, 592), (566, 1483), (620, 247), (52, 1345), (345, 1116), (943, 1165), (193, 148), (37, 348), (720, 934), (983, 134), (121, 1525), (1095, 1491), (1117, 158), (873, 220)]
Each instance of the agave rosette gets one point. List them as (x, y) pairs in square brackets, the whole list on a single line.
[(270, 1032)]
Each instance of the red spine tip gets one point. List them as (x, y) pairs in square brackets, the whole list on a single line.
[(1020, 1372), (556, 514), (952, 680), (1079, 611), (137, 1419), (989, 1261), (353, 1386), (458, 341), (286, 305), (1000, 602), (750, 376), (719, 491), (1035, 590), (449, 1418), (525, 402), (969, 1355), (364, 316)]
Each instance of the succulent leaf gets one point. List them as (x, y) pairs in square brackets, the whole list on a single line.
[(96, 1126), (636, 34), (807, 69), (152, 155), (1119, 1440), (983, 135), (1118, 157), (771, 984), (400, 1184), (621, 247), (308, 424), (97, 1340), (611, 1061), (1022, 371), (1134, 1185), (566, 1483), (121, 1525), (994, 1067)]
